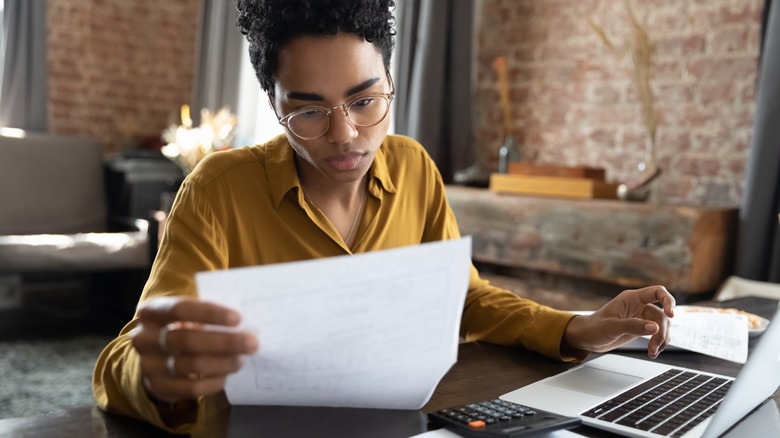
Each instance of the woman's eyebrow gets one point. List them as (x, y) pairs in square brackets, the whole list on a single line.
[(299, 95), (361, 87)]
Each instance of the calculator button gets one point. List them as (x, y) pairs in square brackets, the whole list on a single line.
[(476, 424)]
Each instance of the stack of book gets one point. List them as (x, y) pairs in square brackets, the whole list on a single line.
[(551, 180)]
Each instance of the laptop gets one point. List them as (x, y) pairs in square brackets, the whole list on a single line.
[(642, 398)]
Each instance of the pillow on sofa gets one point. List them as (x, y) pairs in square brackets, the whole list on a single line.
[(51, 185), (73, 252)]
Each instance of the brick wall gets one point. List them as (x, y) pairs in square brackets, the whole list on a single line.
[(119, 70), (574, 102)]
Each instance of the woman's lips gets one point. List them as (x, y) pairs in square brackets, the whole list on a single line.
[(345, 162)]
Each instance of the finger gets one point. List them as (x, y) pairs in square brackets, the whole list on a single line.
[(198, 341), (655, 346), (189, 338), (187, 366), (163, 310), (635, 326), (657, 294), (175, 389), (660, 340)]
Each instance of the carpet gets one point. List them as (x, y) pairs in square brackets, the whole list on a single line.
[(42, 376)]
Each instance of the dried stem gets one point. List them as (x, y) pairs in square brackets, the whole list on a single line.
[(641, 49), (642, 56)]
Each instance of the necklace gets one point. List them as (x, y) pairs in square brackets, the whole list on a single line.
[(348, 238)]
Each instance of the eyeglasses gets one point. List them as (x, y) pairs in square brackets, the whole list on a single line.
[(313, 121)]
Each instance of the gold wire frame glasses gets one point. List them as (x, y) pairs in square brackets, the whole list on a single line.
[(366, 110)]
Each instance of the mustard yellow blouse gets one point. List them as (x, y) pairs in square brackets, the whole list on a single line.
[(245, 207)]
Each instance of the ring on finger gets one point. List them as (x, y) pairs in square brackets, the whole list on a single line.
[(162, 337), (170, 365)]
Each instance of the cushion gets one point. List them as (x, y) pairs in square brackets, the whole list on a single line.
[(69, 252), (51, 184)]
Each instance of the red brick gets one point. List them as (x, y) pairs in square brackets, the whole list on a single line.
[(672, 141), (694, 165), (668, 70), (730, 39), (668, 19), (676, 46), (716, 92), (748, 91), (606, 93), (670, 93)]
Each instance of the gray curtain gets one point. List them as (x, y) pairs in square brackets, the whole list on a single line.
[(24, 88), (758, 254), (218, 65), (433, 80)]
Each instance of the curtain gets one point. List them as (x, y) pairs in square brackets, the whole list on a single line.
[(433, 80), (758, 252), (764, 21), (24, 88), (218, 65)]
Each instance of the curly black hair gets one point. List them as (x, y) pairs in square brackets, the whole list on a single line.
[(270, 24)]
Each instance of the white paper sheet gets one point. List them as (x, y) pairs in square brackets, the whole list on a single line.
[(722, 335), (375, 330)]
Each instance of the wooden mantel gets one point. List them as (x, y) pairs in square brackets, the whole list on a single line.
[(687, 249)]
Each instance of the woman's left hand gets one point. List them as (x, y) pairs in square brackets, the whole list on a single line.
[(631, 314)]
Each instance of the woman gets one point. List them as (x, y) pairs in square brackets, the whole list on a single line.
[(334, 184)]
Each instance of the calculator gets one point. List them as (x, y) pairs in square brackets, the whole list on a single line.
[(499, 418)]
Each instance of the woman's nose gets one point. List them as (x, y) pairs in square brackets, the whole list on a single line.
[(341, 129)]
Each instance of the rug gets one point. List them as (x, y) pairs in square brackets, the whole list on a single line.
[(42, 376)]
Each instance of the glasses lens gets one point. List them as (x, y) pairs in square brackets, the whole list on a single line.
[(314, 122), (309, 124), (369, 110)]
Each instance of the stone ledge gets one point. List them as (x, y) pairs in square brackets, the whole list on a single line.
[(687, 249)]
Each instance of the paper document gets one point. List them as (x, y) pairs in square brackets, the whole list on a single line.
[(722, 335), (374, 330)]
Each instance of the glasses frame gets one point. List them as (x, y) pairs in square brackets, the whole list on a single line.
[(344, 109)]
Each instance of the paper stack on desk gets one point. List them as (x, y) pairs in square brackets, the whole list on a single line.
[(375, 330)]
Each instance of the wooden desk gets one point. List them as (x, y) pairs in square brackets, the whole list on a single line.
[(483, 371)]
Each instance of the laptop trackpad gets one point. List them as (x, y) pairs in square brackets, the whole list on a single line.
[(593, 381)]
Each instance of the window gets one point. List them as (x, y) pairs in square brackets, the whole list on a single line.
[(256, 120)]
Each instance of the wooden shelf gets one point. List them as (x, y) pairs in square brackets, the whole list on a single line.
[(686, 248)]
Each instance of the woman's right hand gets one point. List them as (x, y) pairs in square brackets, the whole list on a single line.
[(182, 359)]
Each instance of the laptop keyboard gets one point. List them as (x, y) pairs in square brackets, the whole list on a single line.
[(670, 404)]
